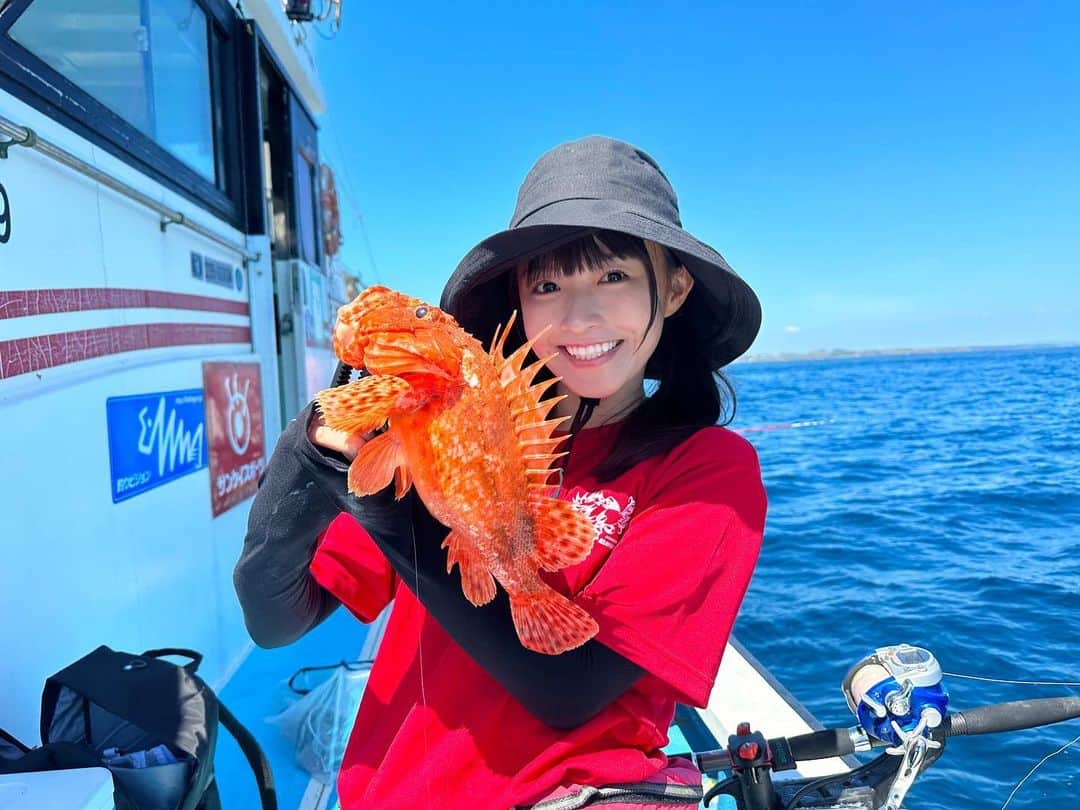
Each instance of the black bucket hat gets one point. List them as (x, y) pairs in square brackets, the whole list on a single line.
[(593, 184)]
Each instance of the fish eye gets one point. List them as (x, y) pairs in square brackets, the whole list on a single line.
[(421, 311)]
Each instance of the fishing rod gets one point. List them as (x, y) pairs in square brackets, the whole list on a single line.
[(901, 707)]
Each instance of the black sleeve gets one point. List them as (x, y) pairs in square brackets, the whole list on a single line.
[(303, 490), (563, 691), (300, 493)]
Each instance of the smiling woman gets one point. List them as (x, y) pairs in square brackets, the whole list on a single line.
[(612, 291), (601, 295)]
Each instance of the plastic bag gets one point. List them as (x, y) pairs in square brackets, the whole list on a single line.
[(319, 723)]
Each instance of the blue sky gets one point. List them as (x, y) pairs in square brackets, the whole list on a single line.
[(884, 175)]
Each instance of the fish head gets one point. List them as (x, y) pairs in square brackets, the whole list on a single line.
[(388, 332)]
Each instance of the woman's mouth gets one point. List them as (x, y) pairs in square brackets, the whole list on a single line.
[(588, 352)]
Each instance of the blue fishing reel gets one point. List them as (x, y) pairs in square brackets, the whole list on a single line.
[(898, 685)]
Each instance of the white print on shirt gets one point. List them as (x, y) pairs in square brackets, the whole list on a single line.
[(608, 516)]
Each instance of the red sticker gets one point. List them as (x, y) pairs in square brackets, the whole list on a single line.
[(234, 432)]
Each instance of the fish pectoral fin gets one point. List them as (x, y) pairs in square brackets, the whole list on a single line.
[(476, 579), (547, 622), (564, 536), (375, 465), (364, 405), (401, 355), (402, 482)]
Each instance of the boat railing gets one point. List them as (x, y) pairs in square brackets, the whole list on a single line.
[(26, 137)]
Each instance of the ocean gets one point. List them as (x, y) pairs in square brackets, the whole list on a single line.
[(933, 499)]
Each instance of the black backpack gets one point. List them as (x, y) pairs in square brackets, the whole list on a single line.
[(152, 723)]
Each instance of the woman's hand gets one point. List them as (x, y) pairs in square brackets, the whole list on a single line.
[(337, 440)]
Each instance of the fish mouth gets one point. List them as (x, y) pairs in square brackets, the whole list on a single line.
[(344, 334), (351, 344), (590, 352)]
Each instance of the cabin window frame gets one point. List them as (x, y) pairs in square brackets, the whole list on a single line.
[(34, 82), (295, 122)]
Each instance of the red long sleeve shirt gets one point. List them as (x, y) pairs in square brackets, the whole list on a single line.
[(677, 539)]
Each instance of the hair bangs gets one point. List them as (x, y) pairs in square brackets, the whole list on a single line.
[(589, 254)]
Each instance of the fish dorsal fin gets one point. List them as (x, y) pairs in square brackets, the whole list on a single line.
[(533, 428)]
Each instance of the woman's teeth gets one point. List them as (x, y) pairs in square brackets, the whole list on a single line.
[(592, 351)]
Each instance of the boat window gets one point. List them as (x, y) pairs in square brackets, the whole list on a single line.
[(274, 100), (307, 175), (147, 60), (291, 161)]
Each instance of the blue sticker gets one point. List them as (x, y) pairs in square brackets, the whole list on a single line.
[(154, 438)]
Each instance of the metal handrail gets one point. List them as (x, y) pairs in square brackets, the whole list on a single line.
[(24, 136)]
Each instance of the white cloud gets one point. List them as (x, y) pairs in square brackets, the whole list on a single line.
[(792, 329)]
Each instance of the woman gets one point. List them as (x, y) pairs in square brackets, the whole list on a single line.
[(456, 712)]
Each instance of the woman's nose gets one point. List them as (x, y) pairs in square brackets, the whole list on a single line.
[(582, 310)]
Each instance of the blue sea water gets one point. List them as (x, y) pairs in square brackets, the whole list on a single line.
[(939, 504)]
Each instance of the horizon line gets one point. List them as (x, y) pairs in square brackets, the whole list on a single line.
[(831, 354)]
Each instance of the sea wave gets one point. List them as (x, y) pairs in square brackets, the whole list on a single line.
[(936, 502)]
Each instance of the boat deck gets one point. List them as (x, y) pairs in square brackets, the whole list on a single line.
[(257, 691)]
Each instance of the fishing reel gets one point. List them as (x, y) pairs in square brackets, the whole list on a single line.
[(897, 697), (894, 690), (901, 706)]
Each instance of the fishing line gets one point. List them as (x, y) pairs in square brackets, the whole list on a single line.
[(343, 372), (1040, 763), (420, 654), (784, 426), (1037, 766), (1020, 683)]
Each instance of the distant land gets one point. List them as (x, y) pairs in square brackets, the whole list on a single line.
[(841, 354)]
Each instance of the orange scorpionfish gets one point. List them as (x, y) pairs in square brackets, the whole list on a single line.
[(466, 428)]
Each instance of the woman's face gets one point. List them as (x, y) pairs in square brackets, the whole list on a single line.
[(599, 324)]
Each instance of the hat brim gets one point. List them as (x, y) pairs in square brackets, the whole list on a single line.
[(724, 310)]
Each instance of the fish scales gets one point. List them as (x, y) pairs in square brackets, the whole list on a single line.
[(468, 429)]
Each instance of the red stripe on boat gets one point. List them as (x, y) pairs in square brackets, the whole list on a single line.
[(24, 355), (23, 303)]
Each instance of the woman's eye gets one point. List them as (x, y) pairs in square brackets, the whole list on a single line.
[(544, 287), (614, 275)]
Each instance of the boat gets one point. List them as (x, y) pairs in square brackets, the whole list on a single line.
[(170, 274)]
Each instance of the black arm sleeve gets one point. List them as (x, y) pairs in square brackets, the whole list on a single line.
[(562, 691), (300, 493), (304, 489)]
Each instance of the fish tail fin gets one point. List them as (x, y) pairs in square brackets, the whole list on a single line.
[(476, 580), (547, 622), (564, 536)]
